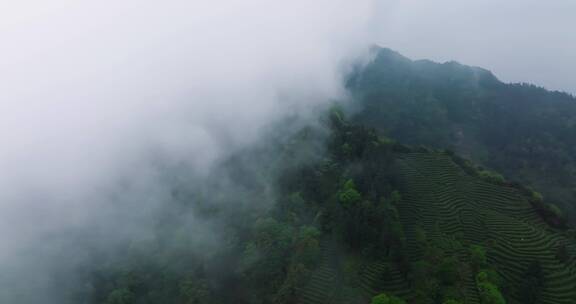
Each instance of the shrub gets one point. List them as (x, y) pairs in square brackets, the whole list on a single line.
[(386, 299), (492, 177), (489, 292), (349, 195)]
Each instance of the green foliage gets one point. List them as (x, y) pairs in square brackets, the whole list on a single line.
[(492, 177), (438, 274), (337, 116), (120, 296), (374, 238), (478, 256), (537, 197), (307, 247), (489, 292), (347, 150), (550, 213), (395, 197), (270, 234), (265, 257), (386, 299), (295, 279), (555, 210), (294, 205), (394, 232), (521, 130), (194, 291), (421, 237), (349, 196), (452, 293), (385, 141), (448, 271)]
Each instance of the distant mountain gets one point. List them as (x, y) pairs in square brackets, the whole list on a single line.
[(336, 212), (521, 130), (355, 218)]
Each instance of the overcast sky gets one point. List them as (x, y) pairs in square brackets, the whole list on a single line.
[(519, 40)]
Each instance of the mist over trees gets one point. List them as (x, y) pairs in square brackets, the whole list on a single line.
[(355, 217), (352, 206), (111, 112), (257, 152)]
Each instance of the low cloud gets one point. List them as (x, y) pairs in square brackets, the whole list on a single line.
[(96, 96)]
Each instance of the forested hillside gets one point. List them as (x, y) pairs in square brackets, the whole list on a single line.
[(377, 208), (523, 131), (268, 152), (356, 218)]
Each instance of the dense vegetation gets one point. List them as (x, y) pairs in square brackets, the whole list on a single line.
[(521, 130), (356, 218), (337, 212)]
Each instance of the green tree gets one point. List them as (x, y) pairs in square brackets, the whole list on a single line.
[(120, 296), (296, 277), (266, 257), (194, 291), (307, 247), (395, 197), (478, 256), (426, 286), (394, 236), (489, 292), (349, 196), (386, 299), (448, 271), (492, 177)]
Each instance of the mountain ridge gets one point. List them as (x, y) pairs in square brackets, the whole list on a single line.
[(521, 130)]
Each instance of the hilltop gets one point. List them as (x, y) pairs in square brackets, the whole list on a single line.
[(521, 130)]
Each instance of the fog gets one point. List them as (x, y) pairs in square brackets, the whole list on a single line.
[(96, 96), (519, 40), (93, 94)]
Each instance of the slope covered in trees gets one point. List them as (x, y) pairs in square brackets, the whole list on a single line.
[(520, 130), (356, 218), (374, 209)]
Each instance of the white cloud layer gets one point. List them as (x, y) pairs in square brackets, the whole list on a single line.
[(90, 90)]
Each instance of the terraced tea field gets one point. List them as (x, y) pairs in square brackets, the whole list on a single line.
[(380, 276), (447, 203), (323, 283)]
